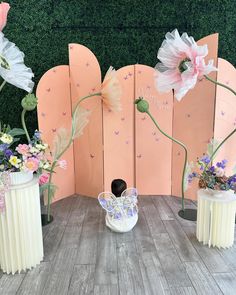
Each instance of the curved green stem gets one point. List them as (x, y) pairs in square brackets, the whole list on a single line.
[(2, 85), (83, 98), (220, 84), (231, 133), (24, 125), (185, 156)]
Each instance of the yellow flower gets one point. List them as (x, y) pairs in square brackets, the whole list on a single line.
[(14, 161), (111, 90), (6, 138)]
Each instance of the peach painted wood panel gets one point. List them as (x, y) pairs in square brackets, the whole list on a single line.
[(54, 111), (119, 134), (225, 113), (85, 78), (193, 121), (153, 150)]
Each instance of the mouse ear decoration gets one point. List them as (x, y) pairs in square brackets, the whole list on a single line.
[(130, 192), (106, 200)]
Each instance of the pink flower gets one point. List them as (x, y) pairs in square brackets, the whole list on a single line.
[(22, 149), (32, 164), (111, 90), (182, 64), (62, 164), (44, 178), (4, 8)]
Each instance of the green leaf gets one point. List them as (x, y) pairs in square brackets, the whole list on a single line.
[(211, 147), (16, 132)]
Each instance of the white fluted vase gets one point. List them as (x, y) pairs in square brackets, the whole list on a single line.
[(21, 243)]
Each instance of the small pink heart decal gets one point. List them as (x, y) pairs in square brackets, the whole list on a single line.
[(139, 156), (64, 113), (54, 130), (126, 77), (92, 156), (117, 132), (122, 119), (127, 142), (48, 89), (77, 85)]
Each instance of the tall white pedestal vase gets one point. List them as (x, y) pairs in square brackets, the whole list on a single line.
[(216, 217), (21, 243)]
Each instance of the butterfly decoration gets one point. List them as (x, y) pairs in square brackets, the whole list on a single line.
[(122, 207)]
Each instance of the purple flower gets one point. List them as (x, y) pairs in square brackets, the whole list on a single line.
[(8, 153), (37, 135), (3, 147), (222, 164), (212, 169), (205, 159)]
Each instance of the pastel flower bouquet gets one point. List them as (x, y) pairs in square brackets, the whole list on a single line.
[(212, 177)]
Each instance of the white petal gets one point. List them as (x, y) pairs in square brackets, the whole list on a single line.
[(19, 75)]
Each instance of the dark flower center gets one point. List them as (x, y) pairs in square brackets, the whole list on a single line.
[(183, 66), (3, 63)]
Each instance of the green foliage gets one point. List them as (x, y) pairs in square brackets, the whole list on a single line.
[(119, 33)]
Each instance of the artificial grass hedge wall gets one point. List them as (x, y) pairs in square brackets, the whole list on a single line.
[(119, 32)]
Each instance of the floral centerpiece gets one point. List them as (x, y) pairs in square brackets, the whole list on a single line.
[(212, 176)]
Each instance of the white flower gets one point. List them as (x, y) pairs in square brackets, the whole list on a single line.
[(219, 172), (34, 150), (41, 147), (6, 138), (46, 165), (12, 67), (181, 64)]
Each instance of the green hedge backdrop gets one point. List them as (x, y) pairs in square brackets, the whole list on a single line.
[(118, 32)]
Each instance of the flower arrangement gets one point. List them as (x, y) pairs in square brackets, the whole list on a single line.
[(212, 176)]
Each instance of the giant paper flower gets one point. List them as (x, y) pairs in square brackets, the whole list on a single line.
[(111, 90), (4, 8), (12, 67), (182, 63)]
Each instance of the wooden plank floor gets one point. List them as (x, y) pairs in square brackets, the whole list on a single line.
[(160, 256)]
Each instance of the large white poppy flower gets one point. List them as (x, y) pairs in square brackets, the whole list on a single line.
[(181, 64), (12, 67)]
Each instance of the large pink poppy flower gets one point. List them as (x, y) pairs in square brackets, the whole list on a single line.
[(181, 64)]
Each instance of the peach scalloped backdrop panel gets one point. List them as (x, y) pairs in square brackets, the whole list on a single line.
[(225, 113), (118, 131), (54, 112), (193, 121), (152, 150), (85, 78), (133, 148)]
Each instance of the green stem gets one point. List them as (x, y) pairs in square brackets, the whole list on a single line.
[(185, 156), (2, 85), (231, 133), (83, 98), (24, 125), (220, 84)]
